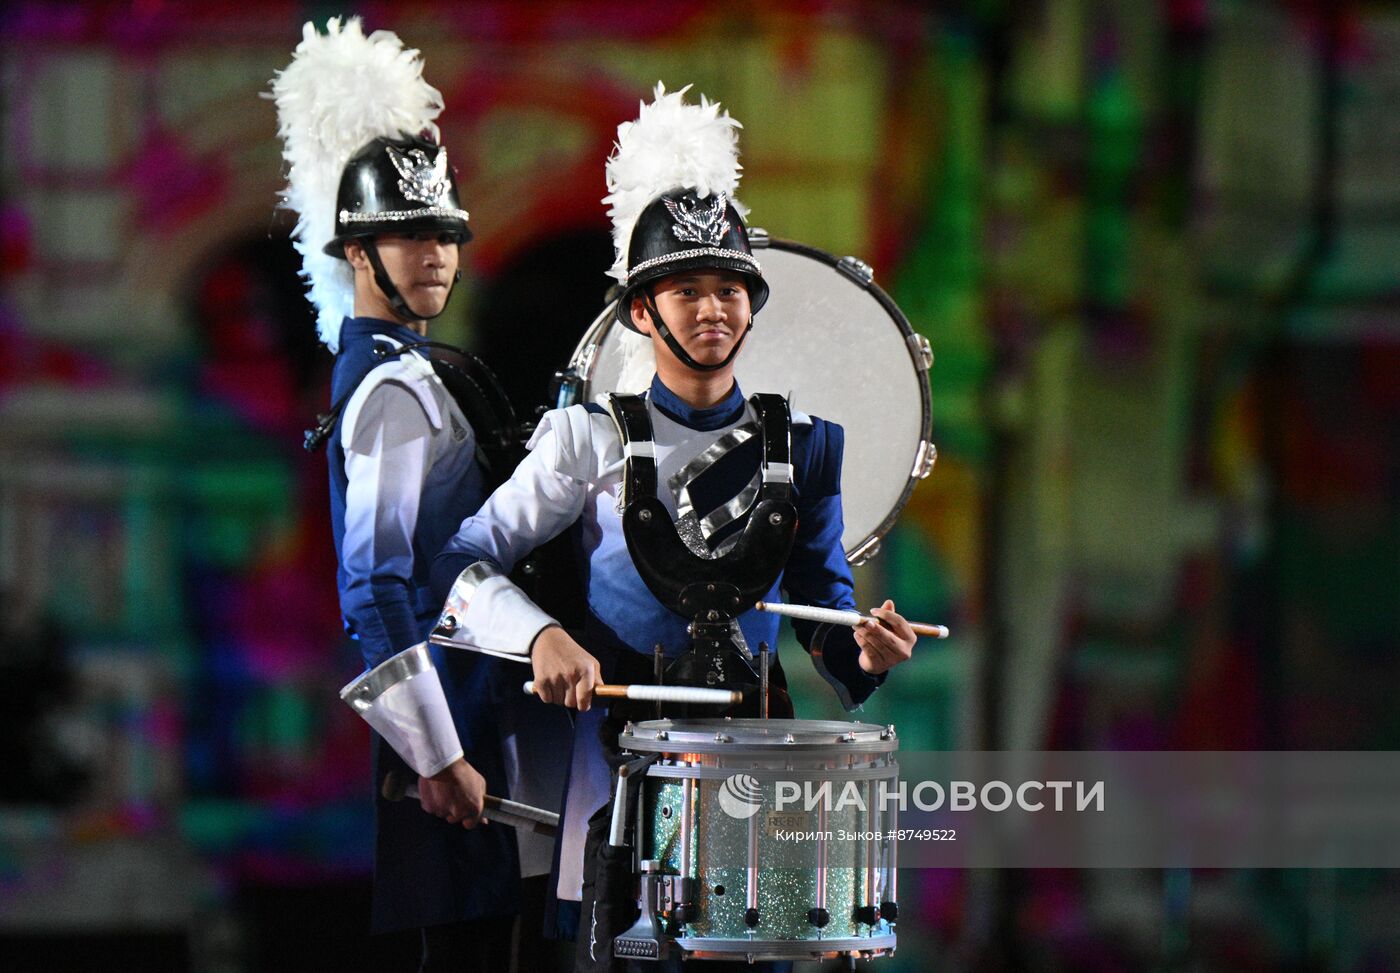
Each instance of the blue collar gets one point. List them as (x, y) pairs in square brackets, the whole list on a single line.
[(364, 329), (706, 420)]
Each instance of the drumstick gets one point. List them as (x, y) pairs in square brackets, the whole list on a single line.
[(835, 616), (663, 694), (525, 817)]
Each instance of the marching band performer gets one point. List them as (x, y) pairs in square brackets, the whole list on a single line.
[(691, 287), (380, 229)]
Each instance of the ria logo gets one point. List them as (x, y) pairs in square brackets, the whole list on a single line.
[(741, 796)]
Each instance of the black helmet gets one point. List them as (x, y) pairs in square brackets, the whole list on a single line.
[(680, 230), (397, 185)]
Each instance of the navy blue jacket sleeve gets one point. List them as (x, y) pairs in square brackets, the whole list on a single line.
[(817, 572)]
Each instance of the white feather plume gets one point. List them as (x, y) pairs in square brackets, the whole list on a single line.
[(671, 145), (341, 91)]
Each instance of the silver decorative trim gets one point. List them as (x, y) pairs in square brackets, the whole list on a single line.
[(399, 215), (693, 530), (394, 670), (736, 634), (726, 514), (738, 255), (459, 599), (816, 650)]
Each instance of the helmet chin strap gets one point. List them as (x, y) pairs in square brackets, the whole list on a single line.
[(396, 300), (649, 302)]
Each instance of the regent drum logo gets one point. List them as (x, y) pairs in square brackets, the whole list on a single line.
[(740, 795)]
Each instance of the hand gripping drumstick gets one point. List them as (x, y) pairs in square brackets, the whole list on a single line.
[(663, 694), (525, 817), (835, 616)]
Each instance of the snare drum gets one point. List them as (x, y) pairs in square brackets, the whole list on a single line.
[(833, 342), (769, 839)]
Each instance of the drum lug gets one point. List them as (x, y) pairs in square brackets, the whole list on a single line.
[(921, 350), (924, 460), (856, 269), (864, 553), (758, 238)]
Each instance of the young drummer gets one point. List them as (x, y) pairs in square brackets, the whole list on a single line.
[(691, 287)]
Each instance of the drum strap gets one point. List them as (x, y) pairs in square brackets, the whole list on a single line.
[(475, 389), (775, 424), (629, 414)]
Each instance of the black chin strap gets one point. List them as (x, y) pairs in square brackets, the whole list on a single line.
[(396, 301), (649, 302)]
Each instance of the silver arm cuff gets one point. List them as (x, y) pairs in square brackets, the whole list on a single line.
[(459, 599), (816, 649), (486, 612), (403, 700)]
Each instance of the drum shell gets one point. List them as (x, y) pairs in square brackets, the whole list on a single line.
[(791, 878)]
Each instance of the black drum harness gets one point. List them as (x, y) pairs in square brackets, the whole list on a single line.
[(711, 592)]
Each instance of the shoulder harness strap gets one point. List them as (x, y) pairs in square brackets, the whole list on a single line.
[(629, 413), (775, 426)]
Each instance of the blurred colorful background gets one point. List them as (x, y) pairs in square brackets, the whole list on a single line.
[(1153, 245)]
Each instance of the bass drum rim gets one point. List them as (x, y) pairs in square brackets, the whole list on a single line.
[(581, 365)]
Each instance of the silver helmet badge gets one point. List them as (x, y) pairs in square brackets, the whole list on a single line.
[(423, 180), (701, 221)]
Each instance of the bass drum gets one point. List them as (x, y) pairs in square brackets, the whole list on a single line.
[(838, 347)]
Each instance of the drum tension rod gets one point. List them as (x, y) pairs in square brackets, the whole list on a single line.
[(763, 679), (658, 668)]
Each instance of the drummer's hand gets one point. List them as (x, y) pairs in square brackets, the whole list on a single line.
[(886, 643), (564, 671), (457, 793)]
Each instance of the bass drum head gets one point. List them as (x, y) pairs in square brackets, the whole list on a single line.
[(838, 348)]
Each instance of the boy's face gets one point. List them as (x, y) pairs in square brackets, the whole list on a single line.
[(421, 265), (706, 310)]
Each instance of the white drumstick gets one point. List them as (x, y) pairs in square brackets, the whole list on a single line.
[(663, 694), (835, 616)]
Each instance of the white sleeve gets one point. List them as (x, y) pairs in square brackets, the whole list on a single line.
[(542, 499), (387, 457)]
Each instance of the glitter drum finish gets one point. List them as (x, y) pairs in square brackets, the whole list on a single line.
[(793, 879)]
